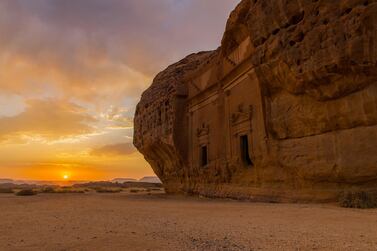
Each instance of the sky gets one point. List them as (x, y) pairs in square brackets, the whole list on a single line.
[(72, 73)]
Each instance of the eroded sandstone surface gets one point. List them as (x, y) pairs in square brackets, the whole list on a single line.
[(285, 109)]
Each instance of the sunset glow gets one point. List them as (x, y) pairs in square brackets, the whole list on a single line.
[(72, 73)]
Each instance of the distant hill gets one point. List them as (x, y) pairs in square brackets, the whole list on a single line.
[(150, 179), (146, 179), (34, 183), (128, 184), (23, 184), (6, 181), (122, 180)]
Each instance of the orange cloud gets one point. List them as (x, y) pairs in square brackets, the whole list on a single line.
[(114, 149), (50, 119)]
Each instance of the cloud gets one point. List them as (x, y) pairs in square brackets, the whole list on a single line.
[(101, 50), (119, 118), (114, 150), (47, 119), (73, 71)]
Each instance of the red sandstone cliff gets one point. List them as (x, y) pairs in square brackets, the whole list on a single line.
[(315, 63)]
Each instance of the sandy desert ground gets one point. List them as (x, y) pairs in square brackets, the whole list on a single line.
[(158, 222)]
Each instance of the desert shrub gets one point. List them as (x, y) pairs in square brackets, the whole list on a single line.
[(134, 190), (26, 192), (48, 190), (6, 190), (62, 190), (69, 191), (107, 190), (358, 199)]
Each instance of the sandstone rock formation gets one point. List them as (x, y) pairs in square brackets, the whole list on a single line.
[(285, 109)]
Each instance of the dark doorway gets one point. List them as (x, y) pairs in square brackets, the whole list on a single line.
[(203, 156), (245, 156)]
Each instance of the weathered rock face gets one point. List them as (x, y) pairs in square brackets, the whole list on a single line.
[(160, 129), (285, 108)]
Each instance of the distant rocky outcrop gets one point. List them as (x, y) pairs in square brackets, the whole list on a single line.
[(122, 180), (146, 179), (150, 179), (285, 109)]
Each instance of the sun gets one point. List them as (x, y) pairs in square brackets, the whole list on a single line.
[(65, 176)]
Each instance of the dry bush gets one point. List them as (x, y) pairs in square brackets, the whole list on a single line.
[(6, 190), (48, 190), (107, 190), (358, 199), (26, 192), (134, 190), (62, 190), (69, 191)]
